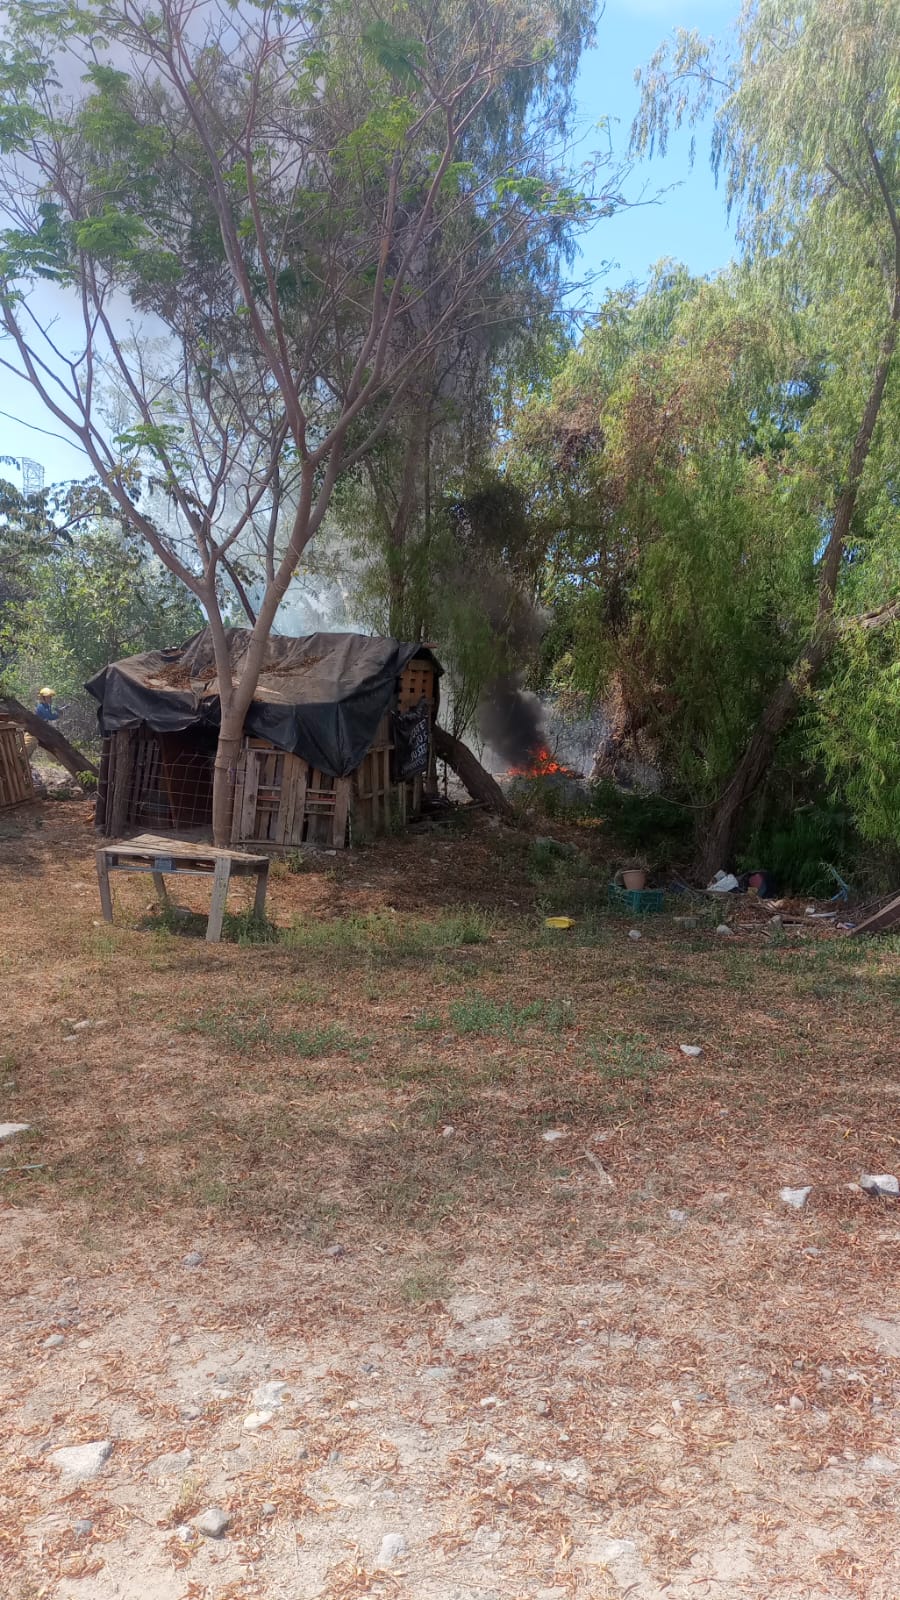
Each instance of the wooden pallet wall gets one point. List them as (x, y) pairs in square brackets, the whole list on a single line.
[(16, 786), (281, 801)]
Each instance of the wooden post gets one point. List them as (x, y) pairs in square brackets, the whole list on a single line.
[(221, 876), (259, 899), (117, 809), (103, 882)]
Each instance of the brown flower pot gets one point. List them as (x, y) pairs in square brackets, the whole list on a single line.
[(634, 878)]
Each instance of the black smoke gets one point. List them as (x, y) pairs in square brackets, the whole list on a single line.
[(511, 721)]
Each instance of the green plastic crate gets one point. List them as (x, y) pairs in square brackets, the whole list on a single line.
[(640, 902)]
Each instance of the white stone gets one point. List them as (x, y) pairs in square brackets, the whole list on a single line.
[(880, 1465), (634, 933), (82, 1461), (724, 929), (448, 1132), (9, 1129), (213, 1523), (691, 1049), (393, 1546), (677, 1216), (268, 1395), (256, 1420), (796, 1197), (53, 1341), (879, 1183), (550, 1135)]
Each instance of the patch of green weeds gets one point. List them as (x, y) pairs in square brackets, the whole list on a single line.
[(243, 1034), (625, 1059), (478, 1014), (428, 1022), (386, 936), (426, 1284)]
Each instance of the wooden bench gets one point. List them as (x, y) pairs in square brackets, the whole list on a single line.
[(159, 856)]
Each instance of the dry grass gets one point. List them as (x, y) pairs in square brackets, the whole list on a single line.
[(695, 1386)]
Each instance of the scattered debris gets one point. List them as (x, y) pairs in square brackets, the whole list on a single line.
[(879, 1183), (213, 1523), (691, 1049), (550, 1135), (796, 1197), (685, 922), (82, 1461), (723, 883), (880, 921)]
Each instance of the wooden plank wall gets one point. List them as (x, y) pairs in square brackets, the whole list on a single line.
[(283, 802), (16, 786)]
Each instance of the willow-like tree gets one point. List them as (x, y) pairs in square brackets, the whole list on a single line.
[(239, 205), (807, 135)]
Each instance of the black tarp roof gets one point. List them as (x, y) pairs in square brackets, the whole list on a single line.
[(321, 698)]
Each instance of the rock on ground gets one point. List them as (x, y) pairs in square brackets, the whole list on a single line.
[(796, 1197), (82, 1461), (9, 1129), (213, 1523), (393, 1546)]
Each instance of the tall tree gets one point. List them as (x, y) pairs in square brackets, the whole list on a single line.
[(807, 133), (242, 205)]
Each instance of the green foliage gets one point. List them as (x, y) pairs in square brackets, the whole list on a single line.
[(661, 829), (799, 849), (94, 597)]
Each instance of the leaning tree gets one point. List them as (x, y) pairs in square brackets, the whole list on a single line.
[(242, 213)]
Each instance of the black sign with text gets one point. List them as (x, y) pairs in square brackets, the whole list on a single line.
[(412, 740)]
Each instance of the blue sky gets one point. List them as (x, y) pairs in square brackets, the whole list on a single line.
[(687, 221)]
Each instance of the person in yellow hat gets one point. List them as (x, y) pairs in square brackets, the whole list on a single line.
[(45, 708)]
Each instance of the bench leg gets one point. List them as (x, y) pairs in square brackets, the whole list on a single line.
[(259, 900), (219, 895), (159, 884), (103, 882)]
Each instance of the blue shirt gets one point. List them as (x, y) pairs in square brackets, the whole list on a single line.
[(44, 710)]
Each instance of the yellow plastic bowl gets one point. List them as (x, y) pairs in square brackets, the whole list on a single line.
[(559, 922)]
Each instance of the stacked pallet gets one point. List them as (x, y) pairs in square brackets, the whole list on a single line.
[(16, 787)]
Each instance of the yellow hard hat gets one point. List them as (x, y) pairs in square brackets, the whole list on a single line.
[(47, 694)]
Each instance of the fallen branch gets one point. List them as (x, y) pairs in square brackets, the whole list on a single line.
[(472, 775), (48, 737)]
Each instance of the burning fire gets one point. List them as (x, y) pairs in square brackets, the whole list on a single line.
[(543, 764)]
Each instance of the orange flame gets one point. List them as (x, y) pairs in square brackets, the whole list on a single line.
[(542, 765)]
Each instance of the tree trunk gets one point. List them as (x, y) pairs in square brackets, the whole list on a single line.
[(720, 833), (49, 737), (472, 775), (228, 750)]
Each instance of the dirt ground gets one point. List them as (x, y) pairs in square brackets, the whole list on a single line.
[(609, 1363)]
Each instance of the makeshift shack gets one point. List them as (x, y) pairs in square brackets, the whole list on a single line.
[(338, 740)]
